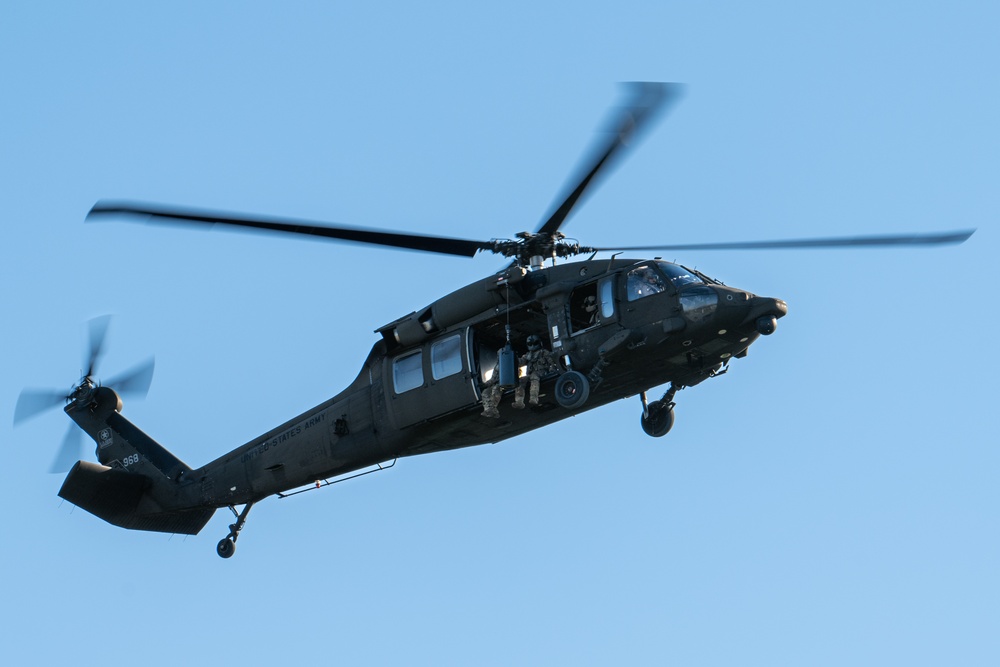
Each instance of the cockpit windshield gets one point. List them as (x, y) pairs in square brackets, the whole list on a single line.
[(678, 275)]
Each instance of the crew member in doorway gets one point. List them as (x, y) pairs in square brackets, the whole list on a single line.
[(537, 362), (590, 308), (492, 393)]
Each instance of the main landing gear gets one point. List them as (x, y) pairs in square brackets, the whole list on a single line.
[(658, 417), (227, 545)]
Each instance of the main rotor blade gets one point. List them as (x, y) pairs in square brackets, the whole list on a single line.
[(937, 238), (648, 102), (98, 332), (422, 242), (32, 402), (69, 451), (134, 381)]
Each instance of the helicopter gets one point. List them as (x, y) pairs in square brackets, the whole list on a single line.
[(440, 378)]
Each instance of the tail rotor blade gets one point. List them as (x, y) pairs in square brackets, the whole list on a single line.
[(69, 452), (33, 402), (134, 381), (98, 332)]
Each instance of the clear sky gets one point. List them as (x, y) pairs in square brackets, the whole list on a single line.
[(831, 500)]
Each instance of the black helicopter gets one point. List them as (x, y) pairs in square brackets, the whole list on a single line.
[(607, 328)]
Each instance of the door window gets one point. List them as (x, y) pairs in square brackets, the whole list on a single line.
[(407, 372), (446, 357)]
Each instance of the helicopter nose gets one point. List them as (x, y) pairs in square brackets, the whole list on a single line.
[(764, 313), (778, 306)]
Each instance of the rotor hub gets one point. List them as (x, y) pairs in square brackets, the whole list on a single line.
[(83, 393), (533, 248)]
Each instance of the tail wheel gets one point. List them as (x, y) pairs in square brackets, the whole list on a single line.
[(572, 389), (226, 548)]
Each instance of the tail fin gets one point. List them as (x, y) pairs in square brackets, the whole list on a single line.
[(138, 483)]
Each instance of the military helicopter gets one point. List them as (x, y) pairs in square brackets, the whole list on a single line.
[(607, 329)]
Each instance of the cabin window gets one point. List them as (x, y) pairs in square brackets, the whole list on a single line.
[(446, 357), (644, 281), (407, 372)]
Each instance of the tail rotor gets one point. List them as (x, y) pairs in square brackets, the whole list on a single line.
[(134, 382)]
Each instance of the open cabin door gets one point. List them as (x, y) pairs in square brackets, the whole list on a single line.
[(432, 380)]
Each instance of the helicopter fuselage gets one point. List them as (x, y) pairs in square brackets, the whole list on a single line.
[(624, 326)]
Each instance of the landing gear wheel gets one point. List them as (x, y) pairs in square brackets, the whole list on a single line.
[(226, 548), (227, 545), (572, 389), (658, 420)]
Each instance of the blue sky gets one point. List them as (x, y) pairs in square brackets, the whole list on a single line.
[(831, 500)]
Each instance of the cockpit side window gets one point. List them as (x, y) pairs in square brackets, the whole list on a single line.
[(644, 281)]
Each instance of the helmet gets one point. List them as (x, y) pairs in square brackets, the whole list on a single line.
[(534, 342)]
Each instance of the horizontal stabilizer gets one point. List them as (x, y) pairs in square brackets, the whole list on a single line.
[(119, 497)]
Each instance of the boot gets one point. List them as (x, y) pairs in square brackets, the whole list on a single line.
[(519, 397), (533, 395)]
